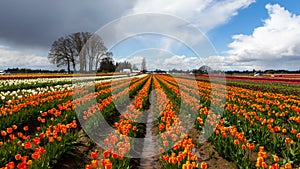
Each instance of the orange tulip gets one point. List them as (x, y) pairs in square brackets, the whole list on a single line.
[(261, 149), (284, 130), (3, 133), (288, 166), (264, 165), (251, 146), (275, 158), (94, 155), (36, 141), (244, 147), (58, 139), (94, 164), (10, 165), (42, 135), (15, 127), (106, 154), (161, 126), (36, 155), (9, 130), (29, 162), (50, 139), (27, 145), (25, 128), (88, 166), (287, 140), (204, 165), (18, 157)]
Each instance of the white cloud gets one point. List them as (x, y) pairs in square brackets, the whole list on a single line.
[(275, 44), (186, 62), (205, 14), (135, 60), (167, 61), (10, 58), (196, 17), (186, 21), (181, 62)]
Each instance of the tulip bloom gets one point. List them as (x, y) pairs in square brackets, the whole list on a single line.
[(27, 145), (287, 140), (3, 133), (94, 155), (9, 130), (275, 158), (204, 165), (288, 166), (36, 141), (25, 128), (18, 157)]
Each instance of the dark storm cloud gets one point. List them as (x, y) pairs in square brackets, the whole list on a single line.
[(36, 23)]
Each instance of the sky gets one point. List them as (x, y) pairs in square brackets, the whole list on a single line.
[(224, 34)]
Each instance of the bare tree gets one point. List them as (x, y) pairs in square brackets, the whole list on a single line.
[(94, 50), (80, 50), (78, 41), (61, 53)]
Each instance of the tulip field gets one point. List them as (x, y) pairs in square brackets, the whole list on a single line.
[(197, 122)]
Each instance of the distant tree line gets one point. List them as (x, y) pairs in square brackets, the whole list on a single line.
[(107, 65), (178, 71), (23, 70), (269, 71), (206, 69)]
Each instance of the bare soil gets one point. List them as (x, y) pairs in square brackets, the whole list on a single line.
[(207, 153)]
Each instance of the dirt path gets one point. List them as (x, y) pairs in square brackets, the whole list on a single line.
[(149, 154), (206, 152), (149, 157), (78, 156)]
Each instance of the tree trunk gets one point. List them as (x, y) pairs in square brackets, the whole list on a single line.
[(74, 65), (91, 61), (69, 70)]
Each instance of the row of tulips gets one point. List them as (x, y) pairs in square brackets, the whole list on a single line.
[(258, 101), (271, 120), (105, 106), (8, 96), (47, 121), (11, 96), (266, 104), (21, 110), (15, 84), (39, 144), (257, 129), (282, 140), (176, 146), (73, 105), (118, 143), (263, 105), (40, 116), (53, 143)]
